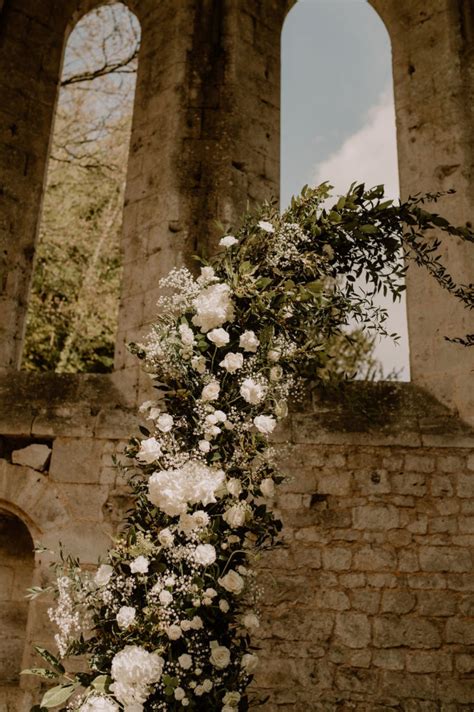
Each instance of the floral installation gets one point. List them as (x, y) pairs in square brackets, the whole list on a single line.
[(166, 621)]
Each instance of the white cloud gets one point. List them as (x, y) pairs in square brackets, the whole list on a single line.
[(370, 155)]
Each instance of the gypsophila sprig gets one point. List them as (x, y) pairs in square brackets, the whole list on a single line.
[(171, 611)]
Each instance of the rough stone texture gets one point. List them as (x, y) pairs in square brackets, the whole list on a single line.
[(35, 456), (372, 600)]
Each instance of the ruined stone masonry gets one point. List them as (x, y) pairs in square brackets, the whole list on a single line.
[(372, 598)]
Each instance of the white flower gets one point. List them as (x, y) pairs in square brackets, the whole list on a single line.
[(211, 391), (150, 450), (103, 575), (267, 487), (220, 655), (186, 334), (328, 251), (139, 565), (205, 554), (204, 445), (219, 337), (198, 363), (166, 597), (281, 409), (234, 486), (232, 582), (207, 275), (224, 606), (251, 621), (154, 413), (174, 632), (193, 483), (197, 623), (276, 373), (185, 661), (249, 342), (133, 670), (264, 423), (207, 685), (220, 416), (146, 405), (164, 423), (231, 699), (274, 355), (179, 693), (232, 362), (267, 226), (200, 519), (234, 516), (98, 703), (166, 538), (228, 241), (213, 307), (249, 663), (210, 592), (125, 617), (252, 392), (227, 708)]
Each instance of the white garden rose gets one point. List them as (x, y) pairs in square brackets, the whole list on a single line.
[(166, 597), (228, 241), (166, 538), (179, 694), (264, 423), (232, 362), (220, 655), (125, 617), (204, 445), (199, 364), (266, 226), (185, 661), (213, 307), (186, 334), (252, 392), (234, 486), (274, 355), (103, 575), (205, 554), (251, 621), (200, 519), (98, 703), (164, 423), (232, 582), (276, 374), (231, 699), (224, 606), (211, 391), (150, 451), (249, 341), (139, 565), (194, 483), (249, 663), (174, 632), (219, 337), (234, 516), (267, 487)]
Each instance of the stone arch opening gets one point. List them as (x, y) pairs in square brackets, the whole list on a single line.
[(16, 575), (337, 71), (74, 299)]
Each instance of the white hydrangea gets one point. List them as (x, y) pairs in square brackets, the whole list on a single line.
[(99, 703), (213, 307), (194, 483), (133, 670), (186, 335), (125, 617), (205, 554), (266, 226), (249, 341), (150, 451), (264, 423), (139, 565), (252, 392), (228, 241), (232, 362)]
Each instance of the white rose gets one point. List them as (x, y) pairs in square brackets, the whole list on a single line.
[(264, 423), (139, 565), (220, 656), (204, 445), (205, 554), (249, 663), (197, 623), (166, 597), (267, 487), (219, 337), (252, 392), (166, 538), (251, 621), (199, 364), (231, 698), (227, 708), (185, 661), (224, 606), (249, 342), (103, 575), (174, 632), (164, 423), (150, 450), (211, 391), (228, 241), (232, 582), (200, 519), (266, 226), (220, 416), (276, 372), (234, 486), (154, 413), (207, 275), (146, 405), (186, 335), (210, 592), (234, 516), (125, 617), (232, 362), (207, 685), (186, 625), (274, 355), (98, 704), (213, 307), (179, 693)]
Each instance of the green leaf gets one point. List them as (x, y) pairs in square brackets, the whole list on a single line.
[(101, 683), (59, 694), (41, 672), (369, 229), (50, 658)]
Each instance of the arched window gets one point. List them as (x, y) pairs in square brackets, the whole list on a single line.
[(16, 573), (72, 314), (338, 118)]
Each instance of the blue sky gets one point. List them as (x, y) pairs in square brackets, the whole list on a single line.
[(338, 120)]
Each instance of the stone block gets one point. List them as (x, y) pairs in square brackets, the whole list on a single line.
[(389, 659), (337, 558), (465, 485), (353, 629), (400, 602), (419, 463), (372, 558), (376, 516), (429, 662), (372, 481), (410, 483), (333, 600), (434, 603), (35, 456), (449, 463), (366, 601), (76, 460), (335, 483), (460, 630), (441, 486), (444, 558), (394, 632)]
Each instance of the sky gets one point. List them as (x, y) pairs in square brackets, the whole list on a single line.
[(338, 121)]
